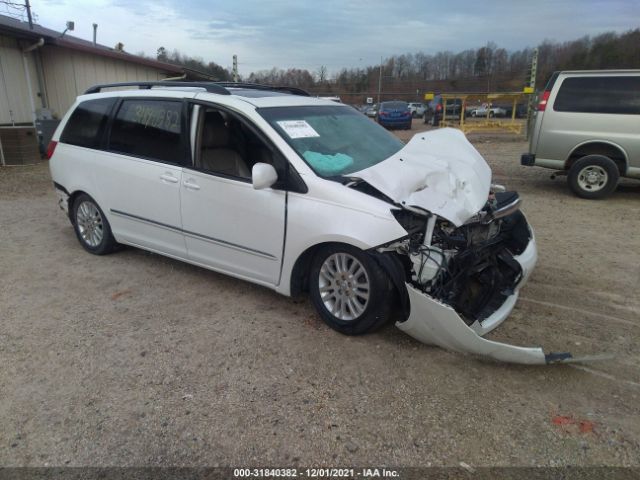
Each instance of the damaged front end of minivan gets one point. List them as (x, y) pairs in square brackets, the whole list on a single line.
[(468, 251), (462, 282)]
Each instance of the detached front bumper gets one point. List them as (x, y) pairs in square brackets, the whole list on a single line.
[(436, 323)]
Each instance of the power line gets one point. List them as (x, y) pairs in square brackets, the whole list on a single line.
[(19, 11)]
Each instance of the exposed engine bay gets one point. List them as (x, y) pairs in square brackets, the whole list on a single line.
[(468, 249), (471, 267)]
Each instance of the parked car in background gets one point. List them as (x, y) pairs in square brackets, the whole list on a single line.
[(417, 109), (394, 114), (587, 126), (488, 111), (521, 110), (371, 111), (435, 108)]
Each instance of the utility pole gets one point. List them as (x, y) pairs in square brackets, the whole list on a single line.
[(28, 7), (533, 70), (380, 82), (235, 68)]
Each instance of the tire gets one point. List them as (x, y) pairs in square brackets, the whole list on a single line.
[(91, 226), (593, 176), (357, 315), (414, 115)]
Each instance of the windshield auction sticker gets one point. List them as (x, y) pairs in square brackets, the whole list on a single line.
[(297, 129)]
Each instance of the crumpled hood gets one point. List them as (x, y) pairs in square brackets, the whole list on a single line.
[(439, 171)]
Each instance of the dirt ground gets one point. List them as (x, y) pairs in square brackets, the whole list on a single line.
[(135, 359)]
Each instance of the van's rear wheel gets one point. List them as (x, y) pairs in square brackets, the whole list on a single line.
[(350, 291), (91, 226), (593, 176)]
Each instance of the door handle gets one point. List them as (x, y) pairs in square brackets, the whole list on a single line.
[(190, 185), (168, 178)]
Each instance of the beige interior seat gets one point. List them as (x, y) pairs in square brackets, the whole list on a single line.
[(217, 153)]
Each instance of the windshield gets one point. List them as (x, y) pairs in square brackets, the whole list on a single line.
[(332, 140)]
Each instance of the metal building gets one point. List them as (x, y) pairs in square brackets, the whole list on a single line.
[(42, 72)]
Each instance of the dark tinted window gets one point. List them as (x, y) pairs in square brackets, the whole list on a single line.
[(87, 122), (149, 129), (599, 95)]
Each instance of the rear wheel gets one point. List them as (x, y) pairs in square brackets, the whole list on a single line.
[(91, 226), (350, 291), (593, 176)]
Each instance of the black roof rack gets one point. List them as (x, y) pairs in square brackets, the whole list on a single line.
[(211, 87), (259, 86)]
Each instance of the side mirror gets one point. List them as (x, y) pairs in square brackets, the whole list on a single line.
[(263, 175)]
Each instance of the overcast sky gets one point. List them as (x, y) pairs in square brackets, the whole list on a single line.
[(344, 33)]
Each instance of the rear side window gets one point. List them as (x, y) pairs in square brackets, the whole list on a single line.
[(149, 129), (87, 122), (599, 94)]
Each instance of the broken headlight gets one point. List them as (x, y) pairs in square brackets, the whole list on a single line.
[(413, 223)]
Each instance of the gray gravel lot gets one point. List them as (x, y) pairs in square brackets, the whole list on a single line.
[(136, 359)]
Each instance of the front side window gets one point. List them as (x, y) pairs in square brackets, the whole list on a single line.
[(87, 123), (225, 146), (333, 140), (599, 94), (149, 129)]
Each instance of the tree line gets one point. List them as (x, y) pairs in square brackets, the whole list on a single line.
[(487, 68), (193, 63)]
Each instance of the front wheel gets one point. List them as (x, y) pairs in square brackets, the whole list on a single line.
[(350, 291), (91, 226), (593, 176)]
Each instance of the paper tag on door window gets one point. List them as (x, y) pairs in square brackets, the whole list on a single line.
[(298, 129)]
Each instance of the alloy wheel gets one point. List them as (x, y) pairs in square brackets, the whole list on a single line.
[(344, 286), (89, 221)]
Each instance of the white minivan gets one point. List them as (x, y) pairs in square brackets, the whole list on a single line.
[(301, 194)]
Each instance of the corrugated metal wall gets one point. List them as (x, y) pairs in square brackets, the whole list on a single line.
[(14, 91), (68, 73)]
